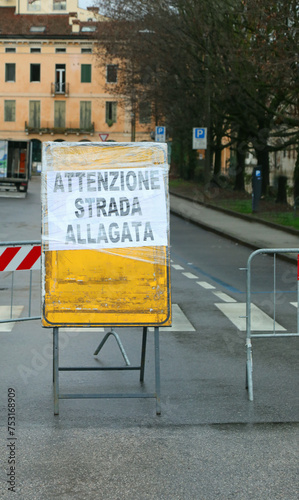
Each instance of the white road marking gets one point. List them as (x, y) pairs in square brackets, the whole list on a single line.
[(295, 304), (190, 276), (177, 267), (224, 297), (5, 314), (260, 321), (206, 285), (12, 194), (180, 322), (77, 329)]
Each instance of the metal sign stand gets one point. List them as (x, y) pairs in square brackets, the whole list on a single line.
[(57, 369)]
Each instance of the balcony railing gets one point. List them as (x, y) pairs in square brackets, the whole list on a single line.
[(67, 130), (60, 88)]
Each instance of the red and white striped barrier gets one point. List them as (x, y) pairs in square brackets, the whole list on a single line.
[(20, 258)]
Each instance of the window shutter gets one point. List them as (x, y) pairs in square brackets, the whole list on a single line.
[(86, 73), (34, 114), (85, 115), (114, 111)]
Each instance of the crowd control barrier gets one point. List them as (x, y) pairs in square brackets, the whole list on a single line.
[(272, 334), (19, 256)]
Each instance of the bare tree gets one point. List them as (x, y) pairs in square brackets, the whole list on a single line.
[(232, 66)]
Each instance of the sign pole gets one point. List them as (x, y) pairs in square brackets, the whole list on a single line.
[(143, 349), (298, 293), (157, 371), (56, 370)]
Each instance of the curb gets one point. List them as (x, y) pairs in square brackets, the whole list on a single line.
[(248, 218), (235, 239)]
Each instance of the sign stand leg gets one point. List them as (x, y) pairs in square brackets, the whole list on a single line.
[(157, 371), (143, 349), (141, 368), (121, 347), (55, 371)]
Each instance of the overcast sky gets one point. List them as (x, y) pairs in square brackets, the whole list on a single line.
[(85, 3)]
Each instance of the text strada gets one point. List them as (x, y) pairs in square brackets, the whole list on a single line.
[(107, 208)]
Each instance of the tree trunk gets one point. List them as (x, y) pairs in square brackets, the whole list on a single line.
[(217, 157), (240, 167), (296, 181), (282, 189)]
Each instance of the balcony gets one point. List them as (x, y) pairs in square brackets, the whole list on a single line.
[(51, 130), (60, 88)]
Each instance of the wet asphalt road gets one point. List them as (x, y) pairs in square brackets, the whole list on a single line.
[(210, 442)]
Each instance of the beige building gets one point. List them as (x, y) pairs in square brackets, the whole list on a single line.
[(52, 85)]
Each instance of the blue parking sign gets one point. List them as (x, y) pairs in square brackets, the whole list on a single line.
[(199, 138), (160, 134), (200, 133)]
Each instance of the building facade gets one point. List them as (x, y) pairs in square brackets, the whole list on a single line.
[(52, 85)]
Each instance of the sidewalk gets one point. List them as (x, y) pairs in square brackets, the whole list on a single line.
[(240, 228)]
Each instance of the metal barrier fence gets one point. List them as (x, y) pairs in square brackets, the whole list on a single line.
[(19, 256), (274, 333), (26, 255)]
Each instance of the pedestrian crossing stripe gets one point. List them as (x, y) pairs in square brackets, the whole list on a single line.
[(234, 311), (224, 297), (191, 276), (206, 285), (260, 321), (5, 313), (177, 267), (180, 322)]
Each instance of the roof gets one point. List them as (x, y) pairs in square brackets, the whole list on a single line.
[(56, 26)]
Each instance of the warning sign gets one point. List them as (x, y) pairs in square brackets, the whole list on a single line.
[(104, 137), (107, 208), (105, 234)]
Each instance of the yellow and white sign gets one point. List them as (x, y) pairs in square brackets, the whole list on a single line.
[(105, 235)]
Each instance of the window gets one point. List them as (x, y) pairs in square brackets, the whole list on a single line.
[(146, 76), (60, 50), (111, 76), (35, 72), (59, 4), (85, 115), (10, 49), (33, 5), (10, 72), (88, 28), (34, 114), (9, 111), (59, 114), (37, 29), (145, 112), (35, 50), (86, 51), (111, 109), (85, 73), (60, 78)]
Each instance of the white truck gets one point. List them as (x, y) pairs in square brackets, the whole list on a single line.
[(15, 162)]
